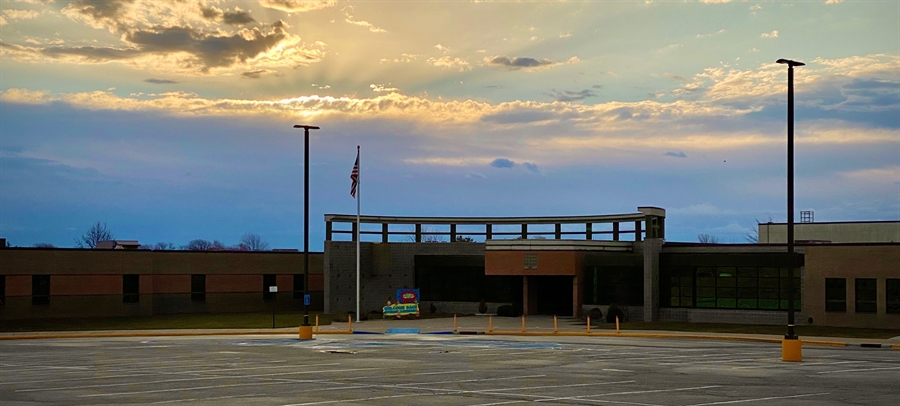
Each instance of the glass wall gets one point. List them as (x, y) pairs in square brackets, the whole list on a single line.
[(727, 281)]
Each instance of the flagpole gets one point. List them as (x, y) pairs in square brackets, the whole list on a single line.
[(357, 239)]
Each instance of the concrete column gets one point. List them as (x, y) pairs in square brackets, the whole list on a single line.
[(452, 232), (524, 231), (327, 231), (418, 233), (576, 296), (353, 230), (616, 231), (488, 232), (558, 231), (652, 247), (384, 232), (529, 297)]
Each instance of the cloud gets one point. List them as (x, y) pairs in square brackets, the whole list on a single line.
[(678, 154), (525, 63), (834, 1), (382, 88), (13, 15), (674, 76), (773, 34), (349, 18), (185, 50), (474, 175), (715, 34), (450, 62), (403, 58), (715, 1), (569, 95), (297, 6), (256, 74), (502, 163), (531, 167), (160, 81), (566, 35)]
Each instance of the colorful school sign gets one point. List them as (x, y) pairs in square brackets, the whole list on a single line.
[(401, 309)]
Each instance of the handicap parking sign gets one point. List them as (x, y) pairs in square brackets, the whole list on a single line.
[(306, 300)]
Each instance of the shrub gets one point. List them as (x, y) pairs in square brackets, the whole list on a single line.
[(595, 314), (482, 307), (433, 308), (506, 311)]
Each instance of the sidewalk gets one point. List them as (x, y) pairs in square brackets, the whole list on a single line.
[(482, 324)]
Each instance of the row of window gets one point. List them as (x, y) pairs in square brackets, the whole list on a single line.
[(729, 287), (40, 288), (866, 292)]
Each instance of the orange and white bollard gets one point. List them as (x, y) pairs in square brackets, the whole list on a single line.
[(617, 324), (588, 324), (454, 323), (317, 323), (555, 327), (490, 324), (350, 323), (523, 323)]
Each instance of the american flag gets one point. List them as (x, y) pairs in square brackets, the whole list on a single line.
[(354, 176)]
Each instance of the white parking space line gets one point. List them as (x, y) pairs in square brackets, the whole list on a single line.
[(278, 382), (721, 361), (214, 398), (473, 380), (859, 370), (728, 402), (325, 402), (639, 392), (615, 370)]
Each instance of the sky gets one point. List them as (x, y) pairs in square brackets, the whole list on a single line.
[(172, 120)]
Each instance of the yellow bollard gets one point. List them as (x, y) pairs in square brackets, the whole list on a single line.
[(490, 324), (617, 324), (305, 332), (454, 323), (317, 323), (350, 323), (588, 324), (523, 323), (555, 329), (791, 350)]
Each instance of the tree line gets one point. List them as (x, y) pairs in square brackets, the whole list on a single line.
[(100, 232)]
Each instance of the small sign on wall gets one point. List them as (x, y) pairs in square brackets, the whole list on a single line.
[(273, 289)]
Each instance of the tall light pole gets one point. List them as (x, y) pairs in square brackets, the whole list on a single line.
[(305, 328), (790, 336)]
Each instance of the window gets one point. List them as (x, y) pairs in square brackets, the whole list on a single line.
[(892, 294), (530, 261), (198, 288), (298, 286), (835, 295), (2, 290), (131, 288), (268, 280), (40, 289), (866, 295)]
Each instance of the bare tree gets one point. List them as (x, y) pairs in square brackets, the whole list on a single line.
[(98, 232), (163, 246), (43, 245), (753, 236), (253, 242), (198, 245), (708, 239)]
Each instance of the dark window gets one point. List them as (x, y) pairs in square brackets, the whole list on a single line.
[(131, 288), (866, 295), (2, 290), (892, 294), (198, 288), (622, 285), (268, 280), (835, 295), (298, 286), (40, 289)]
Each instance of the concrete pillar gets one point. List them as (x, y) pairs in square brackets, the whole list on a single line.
[(652, 247), (353, 231), (452, 232), (529, 296), (384, 232), (328, 231), (616, 231), (576, 296), (488, 231)]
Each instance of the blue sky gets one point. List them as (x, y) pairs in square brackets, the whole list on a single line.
[(171, 121)]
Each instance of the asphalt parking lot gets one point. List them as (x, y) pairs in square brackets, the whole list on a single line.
[(428, 369)]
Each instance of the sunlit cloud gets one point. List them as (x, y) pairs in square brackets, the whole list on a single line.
[(349, 19), (450, 62), (297, 6), (773, 34)]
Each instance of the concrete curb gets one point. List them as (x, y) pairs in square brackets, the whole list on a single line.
[(461, 332)]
